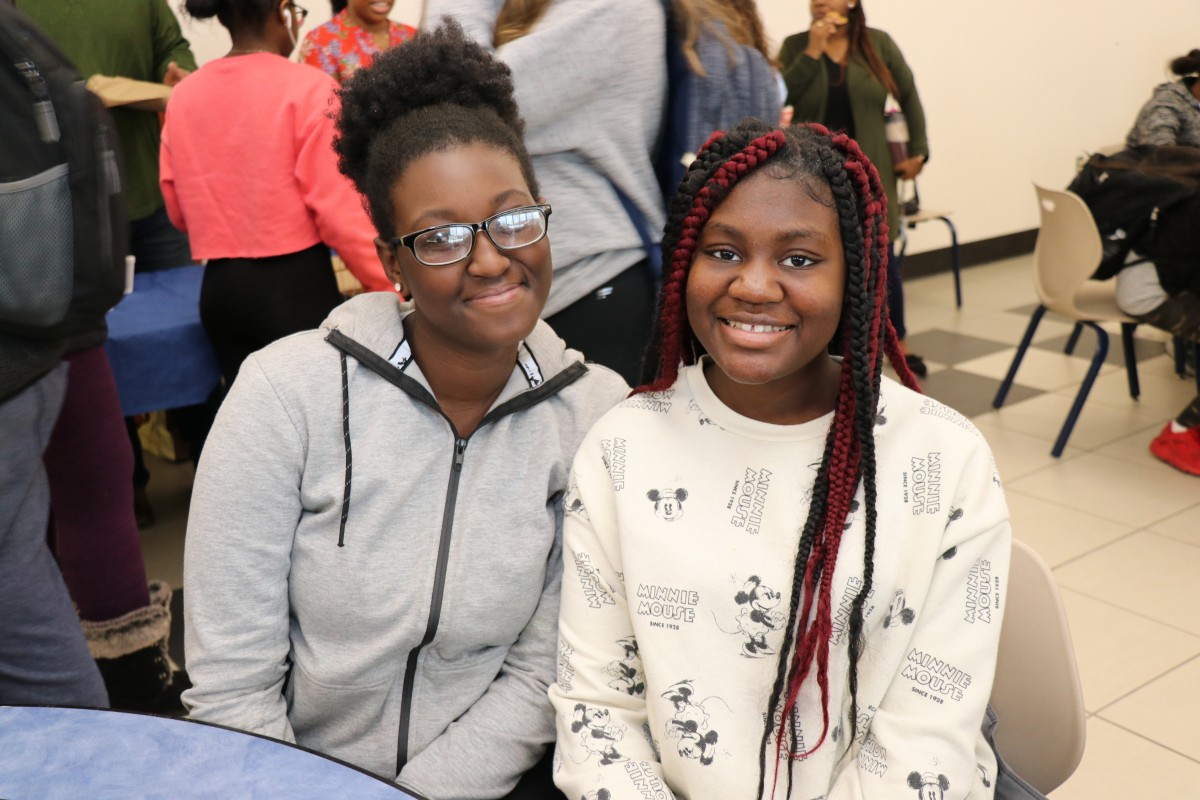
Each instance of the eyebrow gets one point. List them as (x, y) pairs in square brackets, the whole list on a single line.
[(785, 236), (442, 213)]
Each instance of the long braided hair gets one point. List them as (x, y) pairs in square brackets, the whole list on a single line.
[(811, 154)]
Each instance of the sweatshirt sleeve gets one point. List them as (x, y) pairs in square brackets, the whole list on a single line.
[(1158, 122), (241, 525), (599, 697), (337, 208), (933, 708), (512, 716), (169, 43), (799, 72), (571, 56)]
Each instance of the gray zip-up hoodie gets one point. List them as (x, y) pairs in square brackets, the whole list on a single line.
[(364, 582)]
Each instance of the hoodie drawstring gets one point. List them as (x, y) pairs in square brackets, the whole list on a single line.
[(349, 459)]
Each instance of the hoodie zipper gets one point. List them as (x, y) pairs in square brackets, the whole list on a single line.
[(435, 606)]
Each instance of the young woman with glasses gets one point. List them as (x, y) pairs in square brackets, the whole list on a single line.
[(373, 551), (248, 172)]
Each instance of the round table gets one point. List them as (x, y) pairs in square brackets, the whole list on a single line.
[(50, 753)]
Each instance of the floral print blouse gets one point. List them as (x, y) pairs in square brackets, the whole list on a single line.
[(340, 46)]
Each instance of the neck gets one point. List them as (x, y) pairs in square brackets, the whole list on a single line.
[(464, 383), (373, 27), (1195, 89), (244, 44), (799, 398)]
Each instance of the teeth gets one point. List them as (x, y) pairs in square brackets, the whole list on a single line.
[(741, 326)]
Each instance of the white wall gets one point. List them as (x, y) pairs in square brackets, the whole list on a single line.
[(1013, 91)]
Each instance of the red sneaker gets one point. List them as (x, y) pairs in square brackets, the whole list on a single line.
[(1180, 450)]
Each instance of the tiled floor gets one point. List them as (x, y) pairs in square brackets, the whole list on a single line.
[(1120, 529)]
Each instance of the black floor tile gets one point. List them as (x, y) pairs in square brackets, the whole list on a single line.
[(970, 394), (1086, 346), (946, 347)]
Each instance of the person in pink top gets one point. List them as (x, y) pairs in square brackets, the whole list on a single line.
[(248, 171), (359, 30)]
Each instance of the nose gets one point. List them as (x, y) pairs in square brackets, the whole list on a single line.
[(487, 260), (757, 283)]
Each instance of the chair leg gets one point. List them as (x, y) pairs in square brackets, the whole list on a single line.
[(1130, 358), (955, 264), (1002, 392), (1073, 339), (1098, 357), (1196, 360)]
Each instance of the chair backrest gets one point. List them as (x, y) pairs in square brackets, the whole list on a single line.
[(1036, 694), (1068, 250)]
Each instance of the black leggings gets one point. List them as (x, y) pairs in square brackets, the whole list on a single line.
[(611, 325), (1179, 315), (538, 783), (247, 303)]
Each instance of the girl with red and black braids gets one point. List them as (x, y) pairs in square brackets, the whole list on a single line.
[(783, 570)]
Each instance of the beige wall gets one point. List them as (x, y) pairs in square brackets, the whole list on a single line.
[(1013, 91)]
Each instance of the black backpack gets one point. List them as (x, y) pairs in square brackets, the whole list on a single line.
[(64, 229)]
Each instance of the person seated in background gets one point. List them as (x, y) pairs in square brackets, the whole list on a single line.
[(1172, 114), (248, 171), (1146, 202), (373, 555), (768, 543), (359, 30)]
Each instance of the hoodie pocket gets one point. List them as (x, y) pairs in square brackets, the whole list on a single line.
[(356, 723)]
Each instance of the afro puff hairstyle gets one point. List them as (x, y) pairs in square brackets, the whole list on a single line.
[(440, 90)]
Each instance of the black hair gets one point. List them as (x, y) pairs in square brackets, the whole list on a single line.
[(338, 6), (438, 91), (235, 15), (1188, 64)]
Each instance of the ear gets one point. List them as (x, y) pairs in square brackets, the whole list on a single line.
[(914, 780), (653, 495), (741, 598), (391, 264), (944, 782), (681, 495)]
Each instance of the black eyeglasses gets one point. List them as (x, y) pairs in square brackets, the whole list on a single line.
[(301, 12), (443, 245)]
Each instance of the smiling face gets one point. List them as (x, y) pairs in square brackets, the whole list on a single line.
[(490, 301), (764, 294), (371, 12)]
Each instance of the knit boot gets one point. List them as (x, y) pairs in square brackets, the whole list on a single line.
[(131, 652)]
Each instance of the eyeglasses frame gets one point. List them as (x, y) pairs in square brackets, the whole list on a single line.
[(406, 241)]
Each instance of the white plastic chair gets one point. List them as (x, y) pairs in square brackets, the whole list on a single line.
[(1067, 253), (1036, 694)]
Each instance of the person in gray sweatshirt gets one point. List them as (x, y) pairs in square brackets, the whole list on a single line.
[(373, 554), (591, 80)]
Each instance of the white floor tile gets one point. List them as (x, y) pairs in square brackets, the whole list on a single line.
[(1129, 493), (1041, 369), (1017, 454), (1164, 711), (1059, 534), (1119, 651), (1161, 394), (1144, 573), (1118, 765), (1184, 526)]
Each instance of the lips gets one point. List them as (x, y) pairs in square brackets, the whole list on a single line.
[(497, 295)]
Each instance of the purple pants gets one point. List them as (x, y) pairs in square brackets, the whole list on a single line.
[(88, 462)]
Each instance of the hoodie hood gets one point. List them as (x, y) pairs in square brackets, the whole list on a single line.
[(375, 321)]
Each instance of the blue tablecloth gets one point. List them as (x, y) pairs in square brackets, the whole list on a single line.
[(160, 355), (52, 753)]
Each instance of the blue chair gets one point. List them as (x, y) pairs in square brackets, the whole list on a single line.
[(1067, 253)]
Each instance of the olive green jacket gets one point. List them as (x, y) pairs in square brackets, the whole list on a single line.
[(808, 87)]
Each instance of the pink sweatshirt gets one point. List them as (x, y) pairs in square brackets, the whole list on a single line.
[(248, 168)]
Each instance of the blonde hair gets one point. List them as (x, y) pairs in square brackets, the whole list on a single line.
[(517, 19), (742, 26)]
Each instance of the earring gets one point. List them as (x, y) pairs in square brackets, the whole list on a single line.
[(399, 287)]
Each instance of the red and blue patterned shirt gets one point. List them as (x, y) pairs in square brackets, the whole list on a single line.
[(341, 46)]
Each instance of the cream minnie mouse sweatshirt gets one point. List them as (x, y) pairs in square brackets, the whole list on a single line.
[(682, 524)]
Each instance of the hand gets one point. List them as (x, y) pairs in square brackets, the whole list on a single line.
[(910, 168), (175, 74), (785, 116), (819, 34)]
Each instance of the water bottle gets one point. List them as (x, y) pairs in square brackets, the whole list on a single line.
[(896, 129)]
